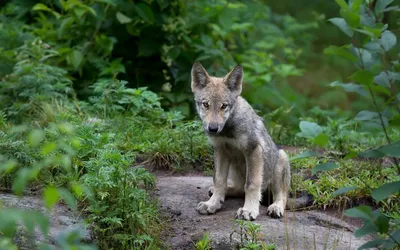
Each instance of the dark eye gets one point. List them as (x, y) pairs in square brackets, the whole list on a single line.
[(206, 105), (224, 106)]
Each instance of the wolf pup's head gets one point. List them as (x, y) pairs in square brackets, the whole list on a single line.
[(215, 96)]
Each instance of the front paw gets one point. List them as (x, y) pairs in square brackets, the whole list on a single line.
[(205, 207), (247, 214), (275, 210)]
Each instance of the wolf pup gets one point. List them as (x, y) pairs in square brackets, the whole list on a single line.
[(247, 162)]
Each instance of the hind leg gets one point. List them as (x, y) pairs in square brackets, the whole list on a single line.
[(280, 186), (235, 186)]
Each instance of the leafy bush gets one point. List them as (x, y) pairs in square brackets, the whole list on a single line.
[(375, 77), (91, 39), (46, 156), (124, 215), (33, 80), (75, 150)]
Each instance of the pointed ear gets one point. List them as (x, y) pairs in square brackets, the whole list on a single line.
[(199, 77), (234, 80)]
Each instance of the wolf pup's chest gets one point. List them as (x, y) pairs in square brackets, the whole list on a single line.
[(235, 142)]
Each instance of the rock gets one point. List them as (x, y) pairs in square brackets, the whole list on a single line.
[(296, 230), (61, 218)]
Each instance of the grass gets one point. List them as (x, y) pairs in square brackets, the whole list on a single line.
[(365, 175)]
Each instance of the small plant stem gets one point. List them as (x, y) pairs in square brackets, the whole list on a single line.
[(383, 126)]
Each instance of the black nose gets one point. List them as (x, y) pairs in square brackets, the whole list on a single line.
[(213, 128)]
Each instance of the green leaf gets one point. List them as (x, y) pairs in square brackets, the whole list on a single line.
[(8, 166), (79, 12), (365, 59), (9, 218), (68, 198), (382, 79), (163, 4), (381, 90), (392, 241), (340, 51), (78, 189), (144, 12), (23, 177), (35, 137), (342, 4), (174, 52), (50, 197), (305, 154), (351, 87), (356, 4), (65, 162), (395, 121), (385, 190), (364, 77), (372, 153), (43, 222), (363, 212), (309, 129), (122, 18), (380, 5), (110, 2), (321, 140), (76, 58), (324, 167), (352, 18), (42, 7), (367, 228), (28, 219), (392, 149), (386, 42), (352, 154), (344, 190), (44, 246), (392, 8), (65, 25), (366, 115), (374, 33), (372, 244), (48, 148), (382, 222), (342, 25)]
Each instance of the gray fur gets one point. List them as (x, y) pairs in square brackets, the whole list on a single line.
[(246, 159)]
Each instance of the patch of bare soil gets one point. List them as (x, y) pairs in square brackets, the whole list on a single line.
[(61, 219)]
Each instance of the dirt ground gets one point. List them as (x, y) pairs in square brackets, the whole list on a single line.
[(179, 196)]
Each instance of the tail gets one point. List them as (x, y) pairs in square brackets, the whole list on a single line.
[(292, 203), (300, 202)]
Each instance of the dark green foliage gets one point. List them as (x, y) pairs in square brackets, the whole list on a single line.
[(81, 151), (375, 77), (94, 92), (154, 43), (33, 81), (120, 194)]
